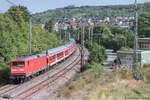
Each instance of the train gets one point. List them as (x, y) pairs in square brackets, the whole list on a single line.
[(26, 67)]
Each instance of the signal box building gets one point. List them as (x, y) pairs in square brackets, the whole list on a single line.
[(126, 57)]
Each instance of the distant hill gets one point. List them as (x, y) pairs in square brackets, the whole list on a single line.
[(91, 11)]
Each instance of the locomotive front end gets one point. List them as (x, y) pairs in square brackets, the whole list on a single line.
[(17, 71)]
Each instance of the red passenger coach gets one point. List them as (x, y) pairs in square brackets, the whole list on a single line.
[(25, 67)]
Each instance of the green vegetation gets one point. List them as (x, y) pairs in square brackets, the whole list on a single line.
[(145, 71), (96, 84), (92, 85), (144, 25), (14, 29), (49, 26), (91, 11), (124, 73), (112, 37), (97, 53), (4, 74)]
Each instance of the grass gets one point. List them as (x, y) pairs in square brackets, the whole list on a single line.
[(94, 84), (145, 70)]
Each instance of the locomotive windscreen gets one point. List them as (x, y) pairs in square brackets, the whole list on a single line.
[(18, 63)]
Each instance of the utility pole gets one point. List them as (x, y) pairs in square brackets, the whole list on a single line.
[(65, 35), (78, 34), (136, 32), (135, 69), (91, 34), (69, 35), (30, 36), (82, 47), (99, 40), (59, 30)]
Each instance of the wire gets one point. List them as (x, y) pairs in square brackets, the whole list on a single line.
[(10, 2)]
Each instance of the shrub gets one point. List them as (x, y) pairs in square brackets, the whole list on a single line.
[(145, 71), (125, 73), (5, 73), (97, 53)]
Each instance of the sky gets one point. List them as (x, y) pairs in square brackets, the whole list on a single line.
[(43, 5)]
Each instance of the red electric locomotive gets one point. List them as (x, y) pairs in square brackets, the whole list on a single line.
[(25, 67)]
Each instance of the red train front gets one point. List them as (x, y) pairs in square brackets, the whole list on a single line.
[(23, 68)]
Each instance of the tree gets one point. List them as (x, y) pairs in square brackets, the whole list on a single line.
[(127, 36), (144, 25), (102, 29), (98, 54), (102, 34), (14, 36), (19, 11), (49, 26)]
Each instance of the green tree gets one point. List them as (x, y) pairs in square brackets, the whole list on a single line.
[(102, 30), (102, 34), (97, 53), (126, 37), (144, 25), (14, 35), (19, 11), (49, 25)]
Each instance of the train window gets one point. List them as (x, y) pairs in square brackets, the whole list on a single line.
[(59, 54), (52, 57), (66, 51), (18, 63)]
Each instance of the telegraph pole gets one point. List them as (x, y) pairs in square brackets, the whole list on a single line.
[(78, 36), (65, 35), (136, 32), (92, 35), (135, 69), (30, 36), (69, 36), (89, 33), (82, 47)]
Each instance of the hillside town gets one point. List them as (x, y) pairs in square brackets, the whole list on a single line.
[(74, 23)]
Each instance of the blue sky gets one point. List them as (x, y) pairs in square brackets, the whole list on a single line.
[(42, 5)]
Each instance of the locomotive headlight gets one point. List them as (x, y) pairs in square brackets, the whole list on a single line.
[(13, 70), (21, 69)]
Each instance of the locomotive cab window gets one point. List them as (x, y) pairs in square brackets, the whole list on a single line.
[(18, 63)]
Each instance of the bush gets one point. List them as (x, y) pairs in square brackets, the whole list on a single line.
[(5, 73), (124, 73), (145, 72), (97, 53)]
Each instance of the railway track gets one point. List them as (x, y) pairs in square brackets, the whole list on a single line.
[(8, 90), (5, 89), (47, 82)]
